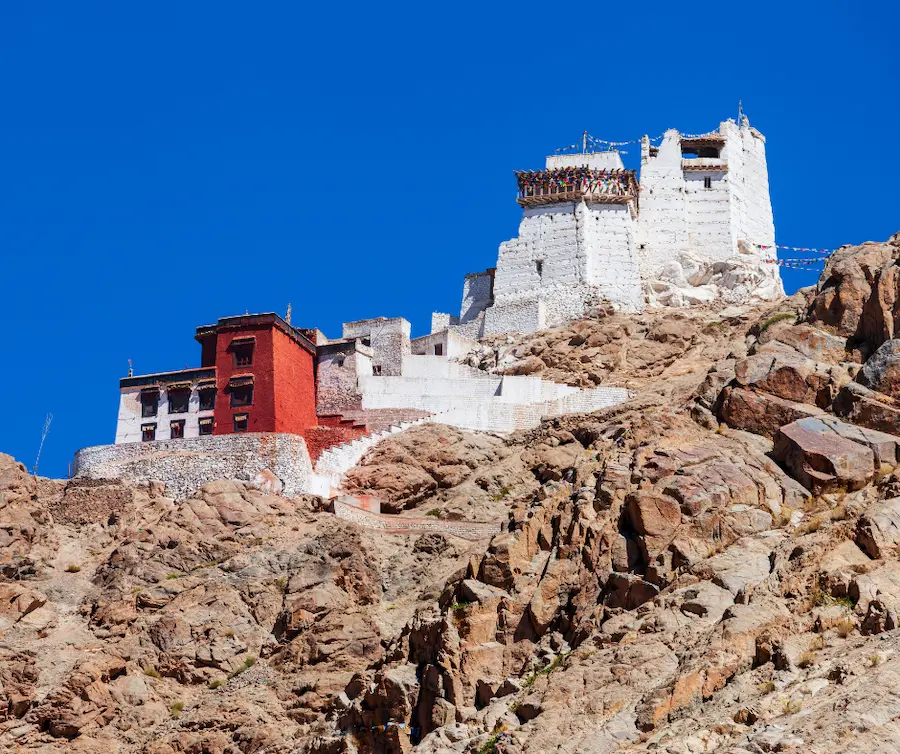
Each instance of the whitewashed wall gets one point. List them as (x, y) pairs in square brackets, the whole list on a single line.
[(128, 425), (662, 232), (476, 295)]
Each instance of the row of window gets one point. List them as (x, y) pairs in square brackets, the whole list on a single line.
[(179, 399), (176, 427)]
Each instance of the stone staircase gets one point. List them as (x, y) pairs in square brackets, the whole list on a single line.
[(336, 461)]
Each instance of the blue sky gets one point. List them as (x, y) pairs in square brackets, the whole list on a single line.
[(165, 164)]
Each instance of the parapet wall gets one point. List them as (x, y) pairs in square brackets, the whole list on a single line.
[(185, 465)]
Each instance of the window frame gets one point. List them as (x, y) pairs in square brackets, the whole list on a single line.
[(206, 391), (186, 391), (148, 427), (242, 417), (234, 389), (147, 394), (205, 421), (238, 347), (180, 423)]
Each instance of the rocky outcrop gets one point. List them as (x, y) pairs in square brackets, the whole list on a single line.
[(689, 281), (858, 294)]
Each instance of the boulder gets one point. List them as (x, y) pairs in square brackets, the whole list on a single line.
[(822, 460), (760, 413), (882, 370), (741, 567), (813, 343), (785, 373), (857, 292), (878, 530), (655, 517), (865, 407)]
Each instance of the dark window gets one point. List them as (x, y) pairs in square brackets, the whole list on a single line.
[(207, 398), (539, 266), (148, 432), (176, 429), (179, 400), (240, 422), (243, 354), (376, 370), (149, 403), (206, 426), (438, 349), (707, 182), (241, 395)]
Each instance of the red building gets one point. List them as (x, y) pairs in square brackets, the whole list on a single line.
[(265, 374), (257, 374)]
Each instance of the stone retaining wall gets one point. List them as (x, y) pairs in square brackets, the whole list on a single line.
[(185, 465), (404, 525)]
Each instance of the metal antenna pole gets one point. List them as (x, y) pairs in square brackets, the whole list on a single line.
[(584, 143)]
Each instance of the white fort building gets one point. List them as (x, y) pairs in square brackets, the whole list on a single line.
[(690, 230)]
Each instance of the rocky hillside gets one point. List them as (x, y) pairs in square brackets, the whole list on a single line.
[(711, 567)]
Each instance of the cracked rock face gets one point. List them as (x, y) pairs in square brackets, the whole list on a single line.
[(674, 574)]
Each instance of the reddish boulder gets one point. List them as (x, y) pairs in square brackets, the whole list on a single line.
[(822, 460), (760, 413), (862, 406), (857, 294)]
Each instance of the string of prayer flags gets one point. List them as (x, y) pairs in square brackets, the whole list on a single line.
[(794, 248)]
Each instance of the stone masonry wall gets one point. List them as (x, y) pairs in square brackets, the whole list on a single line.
[(388, 338), (185, 465), (338, 367)]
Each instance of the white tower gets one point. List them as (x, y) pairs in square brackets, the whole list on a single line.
[(576, 244), (706, 197)]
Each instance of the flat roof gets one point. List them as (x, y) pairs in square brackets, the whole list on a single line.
[(162, 378), (247, 321)]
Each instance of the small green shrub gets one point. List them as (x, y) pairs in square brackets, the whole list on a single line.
[(767, 687), (806, 660), (775, 319), (790, 707), (173, 576), (490, 746), (248, 663), (73, 568), (845, 628), (436, 512), (216, 683), (547, 670), (874, 660), (151, 671), (176, 708), (457, 606)]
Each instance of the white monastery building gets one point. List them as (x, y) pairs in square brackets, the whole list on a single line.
[(689, 231)]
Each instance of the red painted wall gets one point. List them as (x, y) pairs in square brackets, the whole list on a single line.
[(262, 412), (284, 390), (295, 385)]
